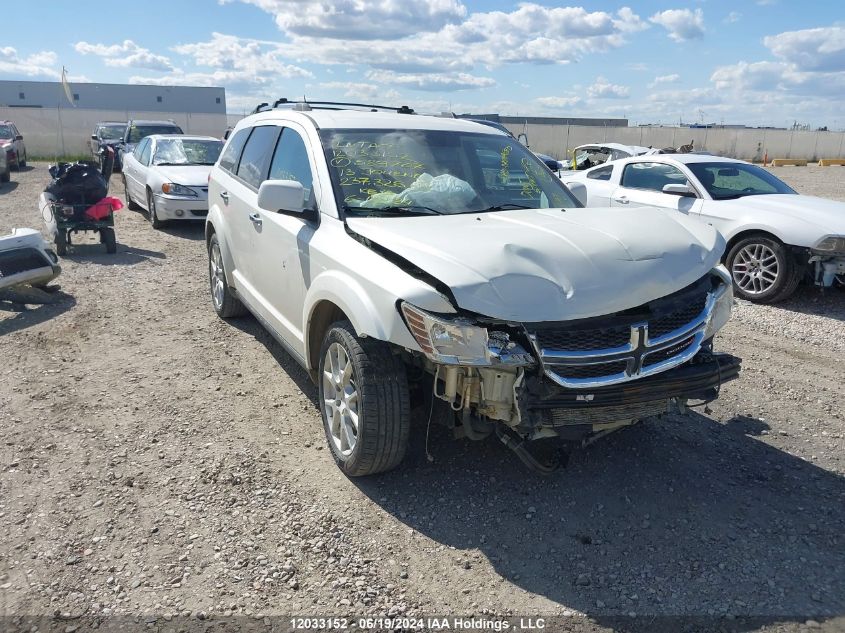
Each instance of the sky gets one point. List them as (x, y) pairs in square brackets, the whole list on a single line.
[(753, 62)]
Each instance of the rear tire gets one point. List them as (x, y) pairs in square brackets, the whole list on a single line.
[(225, 303), (364, 402), (762, 269), (22, 163), (130, 203), (7, 175), (108, 238), (61, 243)]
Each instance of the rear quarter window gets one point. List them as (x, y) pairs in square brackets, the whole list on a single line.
[(231, 155)]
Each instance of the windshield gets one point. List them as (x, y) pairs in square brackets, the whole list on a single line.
[(726, 181), (179, 151), (136, 133), (111, 131), (429, 172), (6, 132)]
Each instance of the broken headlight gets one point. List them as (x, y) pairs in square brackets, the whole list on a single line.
[(459, 341), (831, 244), (723, 304)]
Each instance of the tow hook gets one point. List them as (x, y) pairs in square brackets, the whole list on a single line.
[(517, 445)]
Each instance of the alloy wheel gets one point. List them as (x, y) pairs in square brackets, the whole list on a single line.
[(340, 399), (216, 275), (755, 269)]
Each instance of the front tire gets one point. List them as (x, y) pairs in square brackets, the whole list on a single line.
[(226, 305), (365, 402), (151, 211), (762, 270)]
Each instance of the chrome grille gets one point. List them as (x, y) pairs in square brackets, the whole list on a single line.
[(655, 337)]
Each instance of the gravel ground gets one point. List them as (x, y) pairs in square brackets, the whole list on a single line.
[(159, 463)]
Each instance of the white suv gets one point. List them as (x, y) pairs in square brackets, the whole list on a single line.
[(406, 259)]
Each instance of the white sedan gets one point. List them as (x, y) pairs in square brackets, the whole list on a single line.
[(168, 176), (775, 237)]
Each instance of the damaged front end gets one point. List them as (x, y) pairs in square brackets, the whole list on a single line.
[(577, 380)]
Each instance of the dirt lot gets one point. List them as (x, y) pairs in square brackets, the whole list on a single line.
[(160, 463)]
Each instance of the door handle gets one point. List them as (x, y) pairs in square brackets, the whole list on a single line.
[(225, 196), (621, 200), (255, 219)]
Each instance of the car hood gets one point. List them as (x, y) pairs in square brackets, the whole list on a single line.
[(552, 264), (827, 216), (189, 175)]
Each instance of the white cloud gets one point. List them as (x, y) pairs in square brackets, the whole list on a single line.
[(603, 89), (821, 49), (733, 16), (665, 79), (256, 60), (363, 91), (559, 102), (432, 81), (125, 55), (362, 19), (41, 64), (682, 24)]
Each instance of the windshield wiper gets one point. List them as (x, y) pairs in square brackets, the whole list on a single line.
[(409, 209), (508, 206)]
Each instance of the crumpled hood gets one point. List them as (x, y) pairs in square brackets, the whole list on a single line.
[(549, 264), (188, 175), (828, 216)]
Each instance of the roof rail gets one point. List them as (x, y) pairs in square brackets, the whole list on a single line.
[(261, 107), (334, 105)]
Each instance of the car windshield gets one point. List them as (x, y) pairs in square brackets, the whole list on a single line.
[(727, 181), (111, 131), (181, 151), (136, 133), (431, 172), (6, 132)]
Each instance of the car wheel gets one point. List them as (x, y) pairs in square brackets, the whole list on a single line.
[(762, 270), (61, 243), (151, 211), (364, 400), (108, 238), (22, 163), (6, 176), (130, 203), (226, 305), (18, 165)]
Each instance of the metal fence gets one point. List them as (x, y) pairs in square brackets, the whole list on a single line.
[(51, 132), (744, 143)]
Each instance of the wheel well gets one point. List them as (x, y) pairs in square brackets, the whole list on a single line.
[(324, 314), (742, 235)]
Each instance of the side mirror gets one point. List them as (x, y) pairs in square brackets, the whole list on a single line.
[(579, 190), (94, 137), (679, 190), (523, 138), (284, 196), (19, 137)]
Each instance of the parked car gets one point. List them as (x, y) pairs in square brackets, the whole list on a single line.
[(376, 250), (774, 235), (11, 140), (5, 168), (593, 154), (137, 130), (106, 134), (26, 259), (168, 176)]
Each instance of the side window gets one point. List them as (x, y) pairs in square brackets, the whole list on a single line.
[(290, 162), (232, 154), (651, 176), (255, 161), (145, 153), (139, 149), (602, 173)]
